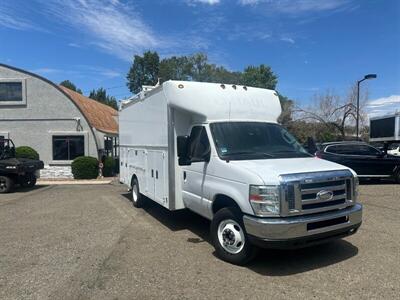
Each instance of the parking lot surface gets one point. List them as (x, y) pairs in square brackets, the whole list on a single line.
[(89, 242)]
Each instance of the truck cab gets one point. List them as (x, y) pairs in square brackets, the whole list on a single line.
[(273, 193), (222, 154)]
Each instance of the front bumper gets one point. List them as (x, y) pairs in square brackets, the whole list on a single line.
[(305, 230)]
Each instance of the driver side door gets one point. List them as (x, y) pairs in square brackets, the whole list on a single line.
[(194, 176)]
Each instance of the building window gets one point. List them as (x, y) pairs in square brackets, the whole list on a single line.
[(11, 92), (68, 147)]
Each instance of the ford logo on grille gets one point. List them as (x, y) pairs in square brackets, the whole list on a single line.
[(324, 195)]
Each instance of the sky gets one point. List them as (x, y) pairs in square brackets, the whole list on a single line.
[(312, 45)]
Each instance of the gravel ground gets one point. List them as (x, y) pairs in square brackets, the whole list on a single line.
[(88, 242)]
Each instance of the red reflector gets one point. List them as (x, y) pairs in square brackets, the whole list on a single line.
[(256, 198)]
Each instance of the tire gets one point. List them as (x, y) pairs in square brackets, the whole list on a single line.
[(397, 177), (229, 237), (6, 184), (29, 180), (137, 198)]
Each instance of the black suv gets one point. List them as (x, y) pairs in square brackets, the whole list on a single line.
[(366, 160)]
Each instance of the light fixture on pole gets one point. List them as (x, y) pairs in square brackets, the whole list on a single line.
[(366, 77)]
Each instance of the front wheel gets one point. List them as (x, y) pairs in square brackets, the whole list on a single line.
[(230, 238), (6, 184)]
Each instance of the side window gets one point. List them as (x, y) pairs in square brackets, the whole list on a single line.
[(12, 92), (333, 149), (371, 150), (199, 145)]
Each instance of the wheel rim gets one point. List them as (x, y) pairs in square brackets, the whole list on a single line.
[(135, 193), (231, 236), (3, 185)]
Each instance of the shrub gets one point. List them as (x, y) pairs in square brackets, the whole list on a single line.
[(109, 166), (85, 167), (26, 152)]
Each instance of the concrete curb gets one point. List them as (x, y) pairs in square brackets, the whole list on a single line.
[(74, 182)]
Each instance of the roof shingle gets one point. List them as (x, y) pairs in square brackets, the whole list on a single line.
[(100, 116)]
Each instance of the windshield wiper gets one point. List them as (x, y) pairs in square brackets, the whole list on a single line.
[(248, 153), (292, 151)]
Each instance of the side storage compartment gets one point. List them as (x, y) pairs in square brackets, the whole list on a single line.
[(157, 176)]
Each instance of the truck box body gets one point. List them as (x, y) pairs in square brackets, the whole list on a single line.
[(385, 128)]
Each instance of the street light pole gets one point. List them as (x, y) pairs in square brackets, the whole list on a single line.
[(366, 77)]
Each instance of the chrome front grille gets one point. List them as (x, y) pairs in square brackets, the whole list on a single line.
[(307, 193)]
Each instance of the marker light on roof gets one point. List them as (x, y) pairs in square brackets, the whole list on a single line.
[(180, 86), (234, 87), (245, 88), (223, 86)]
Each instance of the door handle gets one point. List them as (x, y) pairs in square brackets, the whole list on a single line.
[(152, 173), (156, 174), (184, 175)]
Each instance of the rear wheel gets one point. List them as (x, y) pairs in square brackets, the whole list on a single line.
[(6, 184), (230, 238), (137, 198)]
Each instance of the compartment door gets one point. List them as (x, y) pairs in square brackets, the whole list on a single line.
[(160, 177), (150, 174)]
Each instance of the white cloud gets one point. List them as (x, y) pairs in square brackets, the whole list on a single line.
[(112, 26), (209, 2), (383, 106), (74, 45), (288, 40), (295, 7), (44, 71), (81, 71), (11, 17), (249, 2)]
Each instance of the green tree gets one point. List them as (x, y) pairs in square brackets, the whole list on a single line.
[(287, 110), (68, 84), (144, 71), (175, 67), (101, 96), (259, 76)]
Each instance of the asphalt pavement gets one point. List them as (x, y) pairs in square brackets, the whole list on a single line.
[(89, 242)]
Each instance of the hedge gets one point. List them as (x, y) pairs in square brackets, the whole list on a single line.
[(26, 152), (85, 167), (109, 166)]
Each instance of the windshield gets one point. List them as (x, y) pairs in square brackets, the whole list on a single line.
[(6, 148), (255, 140)]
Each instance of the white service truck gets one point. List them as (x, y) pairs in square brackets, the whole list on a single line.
[(218, 150)]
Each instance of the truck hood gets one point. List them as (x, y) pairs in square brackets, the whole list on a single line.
[(270, 169)]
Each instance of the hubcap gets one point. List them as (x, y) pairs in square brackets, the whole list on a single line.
[(134, 193), (231, 236)]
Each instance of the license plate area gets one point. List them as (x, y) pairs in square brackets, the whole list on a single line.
[(327, 223)]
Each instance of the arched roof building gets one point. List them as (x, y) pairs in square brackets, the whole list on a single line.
[(57, 122)]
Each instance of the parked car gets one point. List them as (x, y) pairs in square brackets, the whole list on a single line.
[(218, 150), (366, 160), (394, 149)]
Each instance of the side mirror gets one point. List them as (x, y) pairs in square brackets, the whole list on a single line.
[(183, 150)]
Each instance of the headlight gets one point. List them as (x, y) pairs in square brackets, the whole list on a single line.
[(265, 200)]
